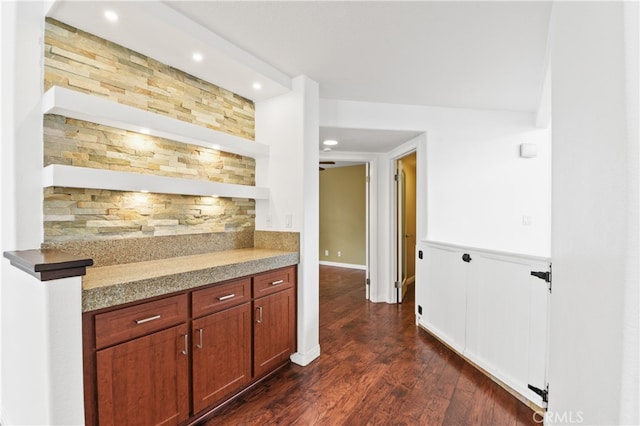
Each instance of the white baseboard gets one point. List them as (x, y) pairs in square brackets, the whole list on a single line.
[(304, 359), (344, 265)]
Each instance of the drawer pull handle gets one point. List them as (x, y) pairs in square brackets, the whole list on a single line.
[(199, 345), (185, 351), (142, 321), (259, 320), (228, 296), (277, 282)]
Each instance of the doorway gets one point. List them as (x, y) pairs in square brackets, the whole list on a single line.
[(405, 179), (344, 216)]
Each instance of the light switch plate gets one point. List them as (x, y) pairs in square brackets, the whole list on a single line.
[(528, 150)]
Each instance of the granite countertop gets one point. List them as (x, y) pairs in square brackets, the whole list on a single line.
[(117, 284)]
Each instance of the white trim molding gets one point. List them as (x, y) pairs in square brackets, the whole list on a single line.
[(343, 265)]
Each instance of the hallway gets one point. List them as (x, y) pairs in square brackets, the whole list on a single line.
[(376, 368)]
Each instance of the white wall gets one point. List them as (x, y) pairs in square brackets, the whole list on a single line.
[(478, 188), (595, 215), (289, 125), (22, 86), (42, 376), (5, 48), (630, 398), (40, 357)]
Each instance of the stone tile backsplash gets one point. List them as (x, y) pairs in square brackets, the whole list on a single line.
[(80, 61), (84, 144), (86, 214)]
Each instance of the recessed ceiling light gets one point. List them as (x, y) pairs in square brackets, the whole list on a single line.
[(197, 56), (257, 86), (111, 16), (330, 142), (326, 149)]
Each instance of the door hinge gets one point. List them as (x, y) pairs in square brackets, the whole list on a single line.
[(397, 284), (368, 281), (544, 275), (543, 393), (395, 177)]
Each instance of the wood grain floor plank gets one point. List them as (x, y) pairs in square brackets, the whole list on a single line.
[(376, 368)]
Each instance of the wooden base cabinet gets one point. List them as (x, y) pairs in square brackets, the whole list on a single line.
[(173, 360), (145, 381), (274, 326), (221, 355)]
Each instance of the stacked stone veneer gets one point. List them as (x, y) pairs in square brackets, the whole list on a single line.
[(72, 213), (83, 62), (80, 143)]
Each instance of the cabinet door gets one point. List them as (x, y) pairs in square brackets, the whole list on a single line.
[(221, 355), (145, 381), (443, 294), (274, 325)]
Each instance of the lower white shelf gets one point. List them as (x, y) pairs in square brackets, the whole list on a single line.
[(84, 177)]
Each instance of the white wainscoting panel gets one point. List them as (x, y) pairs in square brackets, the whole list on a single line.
[(491, 310), (445, 295)]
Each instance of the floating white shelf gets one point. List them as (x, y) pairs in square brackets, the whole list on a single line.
[(73, 104), (84, 177)]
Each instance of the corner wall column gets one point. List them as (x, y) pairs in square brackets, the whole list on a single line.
[(289, 124), (42, 375)]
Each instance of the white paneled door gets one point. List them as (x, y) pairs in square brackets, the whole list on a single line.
[(491, 309), (444, 295)]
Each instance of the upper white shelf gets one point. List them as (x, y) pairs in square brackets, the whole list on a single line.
[(85, 177), (73, 104)]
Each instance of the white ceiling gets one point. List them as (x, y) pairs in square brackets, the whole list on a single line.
[(486, 55), (352, 140), (455, 54)]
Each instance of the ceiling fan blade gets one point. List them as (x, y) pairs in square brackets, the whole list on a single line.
[(327, 162)]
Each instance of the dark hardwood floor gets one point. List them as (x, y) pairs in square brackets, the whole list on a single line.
[(376, 368)]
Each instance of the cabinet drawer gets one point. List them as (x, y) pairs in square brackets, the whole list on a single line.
[(274, 281), (128, 323), (219, 297)]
